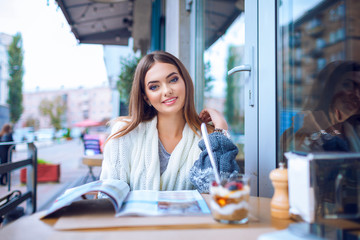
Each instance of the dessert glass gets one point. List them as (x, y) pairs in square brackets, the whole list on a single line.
[(230, 200)]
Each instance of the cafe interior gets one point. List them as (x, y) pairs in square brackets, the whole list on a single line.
[(290, 75)]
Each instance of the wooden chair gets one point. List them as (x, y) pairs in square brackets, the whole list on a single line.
[(92, 155), (92, 145)]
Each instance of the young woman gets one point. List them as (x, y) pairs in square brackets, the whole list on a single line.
[(5, 136), (330, 120), (158, 147)]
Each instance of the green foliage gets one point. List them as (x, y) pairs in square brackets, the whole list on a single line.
[(15, 84), (208, 78), (128, 66), (42, 161), (32, 122), (54, 110), (68, 133), (232, 106), (230, 83)]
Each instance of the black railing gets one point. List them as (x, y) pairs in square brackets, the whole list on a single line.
[(15, 198)]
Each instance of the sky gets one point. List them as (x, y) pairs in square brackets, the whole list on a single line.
[(52, 56), (217, 55), (54, 59)]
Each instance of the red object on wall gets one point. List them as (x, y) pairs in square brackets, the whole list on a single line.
[(45, 173)]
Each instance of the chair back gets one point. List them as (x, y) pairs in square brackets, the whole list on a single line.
[(91, 145)]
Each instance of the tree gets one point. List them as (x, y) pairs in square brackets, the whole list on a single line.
[(32, 122), (229, 102), (54, 110), (232, 107), (128, 66), (15, 84), (208, 78)]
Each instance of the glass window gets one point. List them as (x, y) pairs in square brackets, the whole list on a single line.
[(321, 112), (340, 34), (223, 38), (321, 62), (320, 43), (332, 16), (332, 37), (341, 10)]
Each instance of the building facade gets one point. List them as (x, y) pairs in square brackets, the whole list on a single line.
[(5, 41), (81, 104), (113, 57)]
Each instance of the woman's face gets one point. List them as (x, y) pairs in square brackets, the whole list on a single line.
[(165, 89), (350, 83), (347, 96)]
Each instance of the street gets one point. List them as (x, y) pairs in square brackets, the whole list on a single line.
[(66, 153)]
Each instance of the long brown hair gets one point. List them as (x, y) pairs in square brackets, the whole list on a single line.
[(140, 111), (5, 129)]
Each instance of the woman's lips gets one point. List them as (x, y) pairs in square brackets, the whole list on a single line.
[(170, 101)]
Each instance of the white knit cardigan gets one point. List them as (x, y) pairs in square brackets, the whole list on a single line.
[(134, 158)]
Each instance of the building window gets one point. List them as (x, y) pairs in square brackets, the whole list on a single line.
[(321, 62)]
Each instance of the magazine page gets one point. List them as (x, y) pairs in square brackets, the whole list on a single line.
[(117, 191), (159, 203)]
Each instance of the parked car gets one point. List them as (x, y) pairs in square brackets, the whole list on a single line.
[(45, 134), (75, 132), (60, 133), (24, 134)]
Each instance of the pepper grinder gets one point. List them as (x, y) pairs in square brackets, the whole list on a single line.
[(280, 199)]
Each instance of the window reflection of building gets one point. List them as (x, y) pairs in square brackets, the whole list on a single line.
[(324, 33), (327, 32)]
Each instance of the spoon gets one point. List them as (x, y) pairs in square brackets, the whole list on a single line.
[(210, 152)]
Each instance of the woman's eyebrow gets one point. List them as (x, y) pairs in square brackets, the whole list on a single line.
[(155, 81), (171, 74)]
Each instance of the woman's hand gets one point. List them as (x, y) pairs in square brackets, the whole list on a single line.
[(211, 115)]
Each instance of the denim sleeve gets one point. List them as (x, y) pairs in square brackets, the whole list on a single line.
[(225, 153)]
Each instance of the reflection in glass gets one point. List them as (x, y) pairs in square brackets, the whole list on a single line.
[(224, 37), (318, 76)]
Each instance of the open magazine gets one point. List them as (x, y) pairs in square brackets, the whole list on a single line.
[(138, 202)]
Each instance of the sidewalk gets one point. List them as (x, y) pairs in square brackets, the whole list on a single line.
[(72, 172)]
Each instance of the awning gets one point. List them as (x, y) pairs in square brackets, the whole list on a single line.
[(220, 14), (99, 23), (113, 22), (87, 123)]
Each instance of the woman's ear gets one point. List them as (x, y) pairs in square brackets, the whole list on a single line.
[(147, 100), (338, 115)]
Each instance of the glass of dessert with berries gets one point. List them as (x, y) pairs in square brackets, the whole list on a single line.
[(230, 199)]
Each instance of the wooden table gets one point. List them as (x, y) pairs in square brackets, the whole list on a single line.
[(31, 227), (92, 161)]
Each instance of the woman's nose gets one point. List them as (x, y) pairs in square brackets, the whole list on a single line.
[(357, 92), (167, 90)]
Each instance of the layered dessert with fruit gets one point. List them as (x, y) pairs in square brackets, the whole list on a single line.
[(230, 203)]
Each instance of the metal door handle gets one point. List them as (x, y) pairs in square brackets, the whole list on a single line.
[(240, 68), (247, 68)]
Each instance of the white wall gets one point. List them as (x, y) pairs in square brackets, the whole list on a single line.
[(5, 41)]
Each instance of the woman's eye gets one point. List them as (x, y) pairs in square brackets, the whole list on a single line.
[(174, 79), (348, 85), (154, 87)]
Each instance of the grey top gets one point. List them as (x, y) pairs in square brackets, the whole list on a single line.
[(225, 152), (164, 157)]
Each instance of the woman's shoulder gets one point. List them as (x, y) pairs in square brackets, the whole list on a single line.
[(119, 123)]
